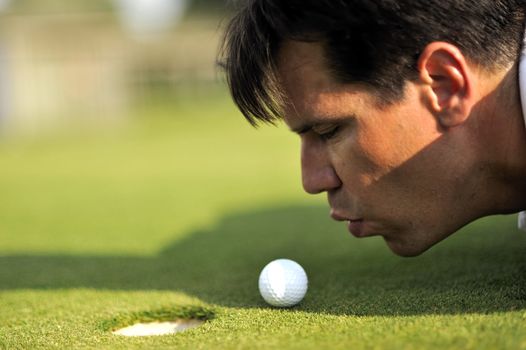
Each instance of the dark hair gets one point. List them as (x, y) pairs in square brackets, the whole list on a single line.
[(373, 42)]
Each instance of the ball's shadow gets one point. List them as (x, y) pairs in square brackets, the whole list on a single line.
[(481, 269)]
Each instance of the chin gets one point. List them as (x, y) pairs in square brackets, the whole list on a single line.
[(406, 249)]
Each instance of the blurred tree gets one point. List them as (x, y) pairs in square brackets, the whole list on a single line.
[(209, 6), (44, 6), (150, 17)]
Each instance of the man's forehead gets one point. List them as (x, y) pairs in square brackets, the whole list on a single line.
[(301, 66), (303, 77), (295, 55), (312, 96), (326, 108)]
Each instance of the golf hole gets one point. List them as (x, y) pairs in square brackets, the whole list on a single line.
[(157, 328), (163, 321)]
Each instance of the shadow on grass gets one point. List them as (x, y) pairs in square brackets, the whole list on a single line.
[(481, 269)]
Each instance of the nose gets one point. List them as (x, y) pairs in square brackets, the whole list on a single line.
[(318, 174)]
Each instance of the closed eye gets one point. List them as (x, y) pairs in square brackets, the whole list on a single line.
[(326, 132)]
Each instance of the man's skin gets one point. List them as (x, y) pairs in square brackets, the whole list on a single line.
[(415, 171)]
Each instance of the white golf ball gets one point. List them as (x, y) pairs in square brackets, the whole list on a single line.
[(283, 283)]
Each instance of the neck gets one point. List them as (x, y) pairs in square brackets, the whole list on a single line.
[(503, 143)]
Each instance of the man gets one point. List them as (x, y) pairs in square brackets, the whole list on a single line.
[(408, 111)]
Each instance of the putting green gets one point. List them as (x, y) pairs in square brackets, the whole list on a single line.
[(175, 215)]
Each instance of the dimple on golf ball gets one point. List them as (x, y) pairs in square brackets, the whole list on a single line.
[(283, 283)]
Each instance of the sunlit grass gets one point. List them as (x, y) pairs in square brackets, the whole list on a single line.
[(182, 207)]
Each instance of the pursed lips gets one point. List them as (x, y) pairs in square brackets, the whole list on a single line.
[(354, 225), (339, 217)]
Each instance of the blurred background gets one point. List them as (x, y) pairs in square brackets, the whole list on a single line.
[(66, 62), (117, 132)]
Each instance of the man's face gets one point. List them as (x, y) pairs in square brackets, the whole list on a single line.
[(388, 170)]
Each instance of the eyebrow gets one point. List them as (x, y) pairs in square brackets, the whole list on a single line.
[(306, 127)]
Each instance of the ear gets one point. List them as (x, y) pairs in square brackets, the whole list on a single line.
[(443, 68)]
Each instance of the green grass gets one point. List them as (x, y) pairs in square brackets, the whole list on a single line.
[(177, 213)]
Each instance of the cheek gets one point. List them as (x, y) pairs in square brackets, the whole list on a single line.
[(378, 150), (359, 162), (369, 156), (391, 140)]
